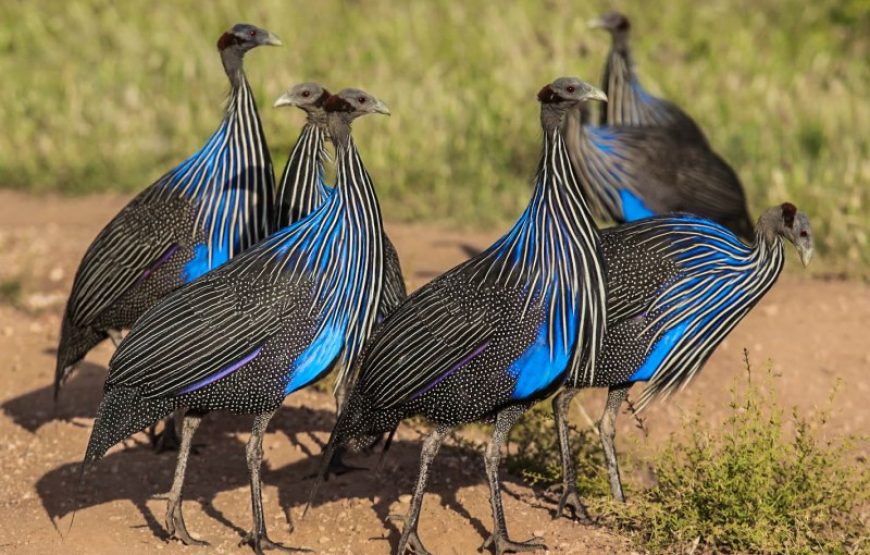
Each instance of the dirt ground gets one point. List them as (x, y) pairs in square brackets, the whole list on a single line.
[(813, 331)]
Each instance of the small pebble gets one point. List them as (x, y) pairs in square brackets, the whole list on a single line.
[(404, 499)]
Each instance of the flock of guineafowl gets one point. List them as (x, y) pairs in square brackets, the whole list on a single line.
[(237, 292)]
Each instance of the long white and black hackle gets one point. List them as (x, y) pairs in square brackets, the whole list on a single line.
[(194, 218), (677, 287)]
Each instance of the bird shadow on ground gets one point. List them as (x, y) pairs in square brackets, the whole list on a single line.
[(454, 469), (79, 398), (138, 474)]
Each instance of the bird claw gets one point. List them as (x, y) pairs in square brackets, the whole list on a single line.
[(503, 544), (411, 540), (176, 528), (259, 542), (570, 500)]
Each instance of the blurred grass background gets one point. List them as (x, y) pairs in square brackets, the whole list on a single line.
[(101, 95)]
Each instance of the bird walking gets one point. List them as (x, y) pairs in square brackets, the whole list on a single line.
[(302, 188), (194, 218), (677, 286), (629, 173), (628, 103), (493, 335), (273, 320)]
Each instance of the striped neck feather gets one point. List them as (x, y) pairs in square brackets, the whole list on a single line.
[(230, 180), (628, 103), (552, 253), (302, 187), (720, 280), (338, 247)]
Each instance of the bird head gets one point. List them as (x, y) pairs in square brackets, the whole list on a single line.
[(786, 221), (243, 37), (569, 91), (306, 96), (613, 22), (355, 103)]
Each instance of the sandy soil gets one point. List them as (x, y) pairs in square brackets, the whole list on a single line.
[(813, 331)]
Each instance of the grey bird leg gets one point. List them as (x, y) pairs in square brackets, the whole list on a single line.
[(174, 518), (409, 536), (570, 496), (607, 428), (492, 457), (257, 537)]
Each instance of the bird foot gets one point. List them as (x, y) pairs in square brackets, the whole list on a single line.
[(409, 539), (176, 528), (261, 541), (570, 500), (503, 544)]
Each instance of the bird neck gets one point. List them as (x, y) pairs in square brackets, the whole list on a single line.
[(301, 188), (767, 230), (232, 59), (338, 124)]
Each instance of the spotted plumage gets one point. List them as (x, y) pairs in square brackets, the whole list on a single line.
[(194, 218), (677, 285), (272, 320), (302, 187), (498, 332)]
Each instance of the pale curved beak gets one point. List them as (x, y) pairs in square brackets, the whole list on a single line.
[(284, 100), (272, 40), (806, 255), (596, 23), (381, 108), (595, 94)]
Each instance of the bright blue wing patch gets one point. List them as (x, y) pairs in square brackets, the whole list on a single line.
[(658, 353), (199, 264), (543, 363), (633, 207), (316, 360)]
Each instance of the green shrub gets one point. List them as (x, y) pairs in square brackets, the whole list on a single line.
[(766, 481)]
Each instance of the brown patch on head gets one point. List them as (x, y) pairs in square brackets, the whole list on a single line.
[(321, 100), (227, 40), (548, 96), (788, 212), (336, 103)]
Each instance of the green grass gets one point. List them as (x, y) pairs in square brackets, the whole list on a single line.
[(766, 481), (101, 95)]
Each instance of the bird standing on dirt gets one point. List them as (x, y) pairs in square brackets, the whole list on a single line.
[(271, 321), (302, 189), (495, 334), (197, 216), (676, 287), (627, 101)]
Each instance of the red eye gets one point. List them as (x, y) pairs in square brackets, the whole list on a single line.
[(252, 33), (571, 89), (306, 93), (803, 233), (361, 100)]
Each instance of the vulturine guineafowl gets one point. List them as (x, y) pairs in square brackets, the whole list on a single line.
[(628, 173), (194, 218), (302, 188), (628, 103), (677, 285), (493, 335), (273, 320)]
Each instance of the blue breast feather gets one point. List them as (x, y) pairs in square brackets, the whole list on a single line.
[(633, 207), (546, 360)]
